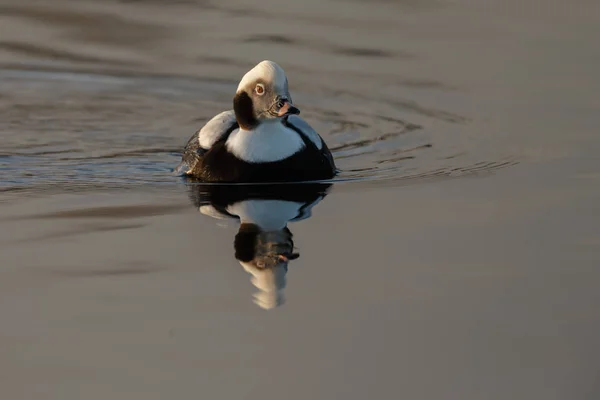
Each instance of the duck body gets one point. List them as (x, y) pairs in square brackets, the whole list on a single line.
[(261, 140), (280, 151)]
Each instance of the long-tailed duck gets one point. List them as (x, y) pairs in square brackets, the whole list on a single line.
[(261, 140)]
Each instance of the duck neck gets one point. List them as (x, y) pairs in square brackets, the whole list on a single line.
[(244, 111)]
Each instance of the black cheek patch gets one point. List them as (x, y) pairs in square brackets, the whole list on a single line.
[(244, 111)]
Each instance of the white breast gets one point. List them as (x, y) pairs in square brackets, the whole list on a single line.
[(269, 142)]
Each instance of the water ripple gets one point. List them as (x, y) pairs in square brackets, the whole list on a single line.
[(67, 131)]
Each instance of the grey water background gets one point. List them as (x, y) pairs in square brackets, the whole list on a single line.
[(457, 255)]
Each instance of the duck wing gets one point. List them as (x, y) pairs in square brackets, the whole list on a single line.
[(218, 128), (311, 137)]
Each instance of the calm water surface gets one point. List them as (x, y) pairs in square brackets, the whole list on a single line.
[(455, 256)]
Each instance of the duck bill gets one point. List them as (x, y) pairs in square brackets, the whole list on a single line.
[(288, 109)]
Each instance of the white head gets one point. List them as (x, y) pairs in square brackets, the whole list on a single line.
[(263, 96)]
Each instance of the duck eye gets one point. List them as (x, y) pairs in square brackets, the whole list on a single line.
[(259, 89)]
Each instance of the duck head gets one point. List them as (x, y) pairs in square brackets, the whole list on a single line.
[(263, 96)]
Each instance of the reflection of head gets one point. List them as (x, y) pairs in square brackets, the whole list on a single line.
[(270, 283), (265, 255)]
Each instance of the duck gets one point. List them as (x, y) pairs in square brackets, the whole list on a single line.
[(262, 139)]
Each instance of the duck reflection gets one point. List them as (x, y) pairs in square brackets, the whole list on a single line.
[(263, 244)]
